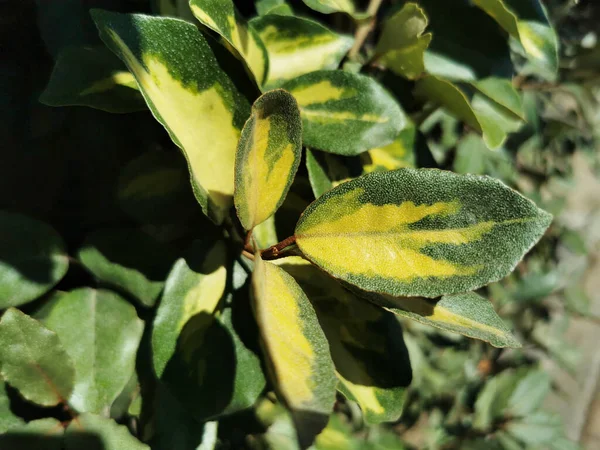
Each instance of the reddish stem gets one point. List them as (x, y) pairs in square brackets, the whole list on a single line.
[(274, 251)]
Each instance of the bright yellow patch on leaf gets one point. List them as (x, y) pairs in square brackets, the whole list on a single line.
[(116, 79), (325, 115), (205, 296), (377, 241), (320, 92), (290, 352), (263, 184), (190, 117)]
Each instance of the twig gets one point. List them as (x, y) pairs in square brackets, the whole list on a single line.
[(276, 250), (364, 29)]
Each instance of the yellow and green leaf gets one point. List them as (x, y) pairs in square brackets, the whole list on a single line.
[(197, 350), (222, 17), (366, 343), (195, 285), (297, 46), (345, 113), (279, 7), (397, 155), (402, 44), (526, 21), (332, 6), (420, 232), (480, 108), (94, 77), (268, 156), (468, 314), (295, 347), (192, 97)]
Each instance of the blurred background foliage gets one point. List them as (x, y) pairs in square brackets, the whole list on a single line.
[(71, 167)]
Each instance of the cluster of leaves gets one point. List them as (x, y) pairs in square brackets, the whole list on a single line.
[(204, 300)]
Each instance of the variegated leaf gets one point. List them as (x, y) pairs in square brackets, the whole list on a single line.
[(188, 93), (345, 113), (468, 314), (366, 343), (332, 6), (194, 285), (94, 77), (527, 21), (279, 7), (222, 17), (402, 44), (297, 46), (295, 347), (420, 232), (397, 155), (267, 158)]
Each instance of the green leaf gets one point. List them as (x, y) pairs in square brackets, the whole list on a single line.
[(331, 6), (402, 44), (467, 314), (95, 77), (153, 188), (280, 7), (473, 156), (195, 284), (268, 157), (33, 260), (8, 419), (537, 429), (420, 232), (107, 434), (317, 173), (210, 370), (129, 260), (366, 343), (34, 360), (41, 434), (101, 333), (295, 347), (188, 93), (222, 17), (527, 21), (345, 113), (477, 110), (297, 46), (529, 393)]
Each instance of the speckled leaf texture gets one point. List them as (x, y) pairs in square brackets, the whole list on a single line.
[(345, 113), (268, 157), (468, 314), (420, 232), (527, 21), (33, 360), (297, 46), (295, 347), (366, 343), (222, 17), (188, 93)]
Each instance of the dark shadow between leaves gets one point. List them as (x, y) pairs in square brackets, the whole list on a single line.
[(41, 441), (201, 372), (308, 425)]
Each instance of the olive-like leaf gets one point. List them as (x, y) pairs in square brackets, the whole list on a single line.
[(332, 6), (40, 434), (33, 259), (297, 46), (95, 77), (102, 432), (402, 44), (420, 232), (267, 158), (129, 260), (279, 7), (366, 343), (527, 21), (467, 314), (190, 96), (345, 113), (101, 333), (222, 17), (195, 284), (295, 347), (34, 360)]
